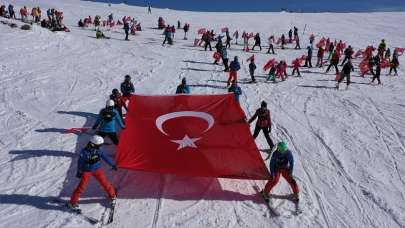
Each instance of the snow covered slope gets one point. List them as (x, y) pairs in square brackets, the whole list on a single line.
[(349, 145)]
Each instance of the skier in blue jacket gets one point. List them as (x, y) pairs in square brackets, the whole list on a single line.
[(282, 163), (106, 121), (89, 164), (127, 88), (234, 67), (183, 87)]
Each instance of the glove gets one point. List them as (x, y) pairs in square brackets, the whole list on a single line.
[(79, 174), (115, 168)]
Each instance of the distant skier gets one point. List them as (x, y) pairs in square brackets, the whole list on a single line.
[(224, 56), (126, 29), (281, 163), (235, 89), (236, 35), (257, 42), (252, 68), (334, 62), (394, 63), (227, 40), (183, 88), (263, 123), (119, 102), (149, 9), (283, 41), (271, 45), (127, 88), (308, 59), (348, 54), (245, 37), (381, 49), (331, 48), (186, 28), (290, 34), (346, 70), (296, 67), (89, 164), (168, 36), (297, 42), (106, 122), (11, 11), (272, 74), (207, 40), (320, 54), (377, 74), (234, 68)]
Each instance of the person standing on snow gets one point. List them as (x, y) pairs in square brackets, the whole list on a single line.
[(308, 59), (348, 54), (207, 40), (186, 28), (234, 68), (377, 74), (334, 62), (252, 68), (106, 121), (271, 45), (235, 89), (257, 42), (394, 63), (290, 34), (127, 87), (296, 67), (126, 29), (119, 102), (183, 88), (263, 123), (381, 49), (321, 52), (331, 49), (89, 164), (297, 42), (11, 11), (224, 56), (228, 40), (347, 69), (281, 163)]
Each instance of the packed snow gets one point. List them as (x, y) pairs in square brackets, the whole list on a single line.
[(349, 145)]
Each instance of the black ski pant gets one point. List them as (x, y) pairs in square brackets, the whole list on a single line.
[(333, 64), (252, 75), (393, 69), (308, 62), (266, 132), (126, 34), (257, 44), (296, 70), (347, 76), (207, 44), (376, 76), (225, 61), (344, 60), (112, 135), (271, 47)]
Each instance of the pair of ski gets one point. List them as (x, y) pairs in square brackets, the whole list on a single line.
[(89, 219), (269, 203)]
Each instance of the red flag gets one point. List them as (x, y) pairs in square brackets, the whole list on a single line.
[(193, 135), (201, 31)]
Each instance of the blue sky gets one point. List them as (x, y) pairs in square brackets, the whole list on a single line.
[(272, 5)]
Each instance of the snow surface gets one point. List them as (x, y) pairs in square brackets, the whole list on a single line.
[(349, 145)]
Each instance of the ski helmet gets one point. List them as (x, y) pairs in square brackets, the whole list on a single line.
[(110, 103), (115, 91), (97, 140), (264, 104), (183, 81), (127, 77), (282, 146)]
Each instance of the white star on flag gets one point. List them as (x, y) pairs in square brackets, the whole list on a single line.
[(186, 142)]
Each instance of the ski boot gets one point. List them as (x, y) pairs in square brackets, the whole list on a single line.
[(73, 207), (296, 197)]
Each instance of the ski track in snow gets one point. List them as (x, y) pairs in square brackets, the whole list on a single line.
[(349, 145)]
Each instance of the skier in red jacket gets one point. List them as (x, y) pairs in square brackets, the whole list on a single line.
[(296, 66)]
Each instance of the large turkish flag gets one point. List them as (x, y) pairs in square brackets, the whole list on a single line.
[(193, 135)]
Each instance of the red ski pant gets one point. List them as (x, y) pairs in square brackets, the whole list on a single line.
[(286, 174), (232, 76), (99, 175)]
